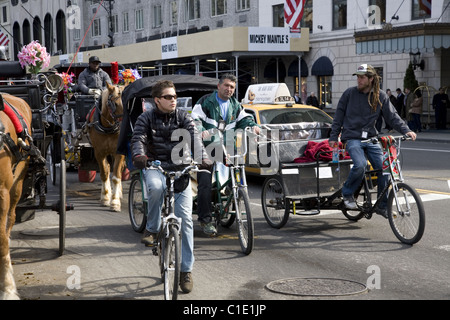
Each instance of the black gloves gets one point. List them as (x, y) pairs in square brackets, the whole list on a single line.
[(140, 161), (206, 165)]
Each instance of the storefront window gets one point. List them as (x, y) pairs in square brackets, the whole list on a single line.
[(325, 92)]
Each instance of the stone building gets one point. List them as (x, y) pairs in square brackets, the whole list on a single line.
[(246, 37)]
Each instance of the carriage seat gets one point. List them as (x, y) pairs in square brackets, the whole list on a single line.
[(11, 69)]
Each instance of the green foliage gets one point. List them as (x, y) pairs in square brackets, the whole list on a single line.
[(410, 81)]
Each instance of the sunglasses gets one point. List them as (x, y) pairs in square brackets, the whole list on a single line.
[(169, 97)]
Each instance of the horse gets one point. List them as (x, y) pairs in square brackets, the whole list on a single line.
[(14, 164), (103, 133)]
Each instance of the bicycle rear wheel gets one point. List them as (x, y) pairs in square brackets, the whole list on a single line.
[(137, 207), (276, 207), (171, 264), (244, 221), (407, 215)]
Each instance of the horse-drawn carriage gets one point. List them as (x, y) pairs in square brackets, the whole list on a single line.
[(75, 108), (29, 133), (40, 95)]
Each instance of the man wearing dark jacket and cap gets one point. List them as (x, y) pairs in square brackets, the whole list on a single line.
[(93, 79), (355, 118)]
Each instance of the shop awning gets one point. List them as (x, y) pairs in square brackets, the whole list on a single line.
[(322, 67), (415, 38), (293, 69)]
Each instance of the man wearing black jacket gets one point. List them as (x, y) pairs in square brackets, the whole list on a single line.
[(157, 136)]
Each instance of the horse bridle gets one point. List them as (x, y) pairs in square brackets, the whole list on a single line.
[(112, 107)]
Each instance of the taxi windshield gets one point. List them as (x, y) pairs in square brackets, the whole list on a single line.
[(283, 116)]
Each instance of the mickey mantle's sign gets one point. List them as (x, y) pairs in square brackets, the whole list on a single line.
[(269, 39)]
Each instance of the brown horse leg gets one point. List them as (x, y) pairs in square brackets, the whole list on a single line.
[(15, 194), (8, 289), (119, 165)]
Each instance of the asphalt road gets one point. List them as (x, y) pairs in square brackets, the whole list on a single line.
[(105, 260)]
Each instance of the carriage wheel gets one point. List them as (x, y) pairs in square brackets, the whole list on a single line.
[(49, 157), (276, 208), (62, 201)]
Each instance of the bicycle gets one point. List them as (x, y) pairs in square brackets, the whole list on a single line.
[(230, 200), (168, 240), (405, 210)]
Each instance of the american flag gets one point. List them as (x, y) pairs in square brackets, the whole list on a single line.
[(4, 40), (425, 5), (293, 12)]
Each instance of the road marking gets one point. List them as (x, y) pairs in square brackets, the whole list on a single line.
[(428, 150), (434, 197), (444, 247), (426, 196), (431, 192)]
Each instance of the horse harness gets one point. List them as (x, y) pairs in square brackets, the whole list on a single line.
[(22, 130)]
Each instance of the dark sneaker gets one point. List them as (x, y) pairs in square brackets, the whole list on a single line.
[(382, 212), (149, 238), (350, 203), (208, 228), (186, 282)]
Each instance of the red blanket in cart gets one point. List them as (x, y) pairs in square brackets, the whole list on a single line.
[(313, 148)]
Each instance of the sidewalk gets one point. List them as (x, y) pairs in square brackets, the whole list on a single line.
[(432, 135)]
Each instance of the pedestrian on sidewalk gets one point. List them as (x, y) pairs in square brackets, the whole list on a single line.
[(440, 105)]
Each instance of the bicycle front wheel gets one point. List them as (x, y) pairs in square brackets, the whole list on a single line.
[(244, 221), (172, 264), (137, 207), (406, 214)]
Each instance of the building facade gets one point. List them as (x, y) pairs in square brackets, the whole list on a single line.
[(247, 37)]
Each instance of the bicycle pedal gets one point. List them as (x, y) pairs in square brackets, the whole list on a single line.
[(368, 215), (155, 251)]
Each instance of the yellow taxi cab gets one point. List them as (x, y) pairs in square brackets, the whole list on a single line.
[(281, 119)]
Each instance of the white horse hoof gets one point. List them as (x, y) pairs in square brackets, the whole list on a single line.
[(115, 208), (106, 203), (9, 296)]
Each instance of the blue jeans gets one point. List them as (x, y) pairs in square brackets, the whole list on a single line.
[(358, 151), (156, 185)]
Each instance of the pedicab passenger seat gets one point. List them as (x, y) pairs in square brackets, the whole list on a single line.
[(309, 179)]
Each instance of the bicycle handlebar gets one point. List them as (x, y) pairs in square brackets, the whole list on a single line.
[(378, 139), (156, 165)]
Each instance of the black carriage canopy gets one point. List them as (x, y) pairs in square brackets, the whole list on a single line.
[(186, 86)]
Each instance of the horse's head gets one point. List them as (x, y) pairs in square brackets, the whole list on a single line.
[(112, 100)]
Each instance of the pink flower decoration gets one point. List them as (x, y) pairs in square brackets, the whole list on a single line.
[(34, 56)]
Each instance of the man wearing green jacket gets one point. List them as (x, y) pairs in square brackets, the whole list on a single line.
[(208, 112)]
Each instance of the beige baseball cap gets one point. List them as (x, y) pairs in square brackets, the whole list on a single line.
[(365, 69)]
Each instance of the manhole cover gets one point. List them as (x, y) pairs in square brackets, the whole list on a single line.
[(316, 287)]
